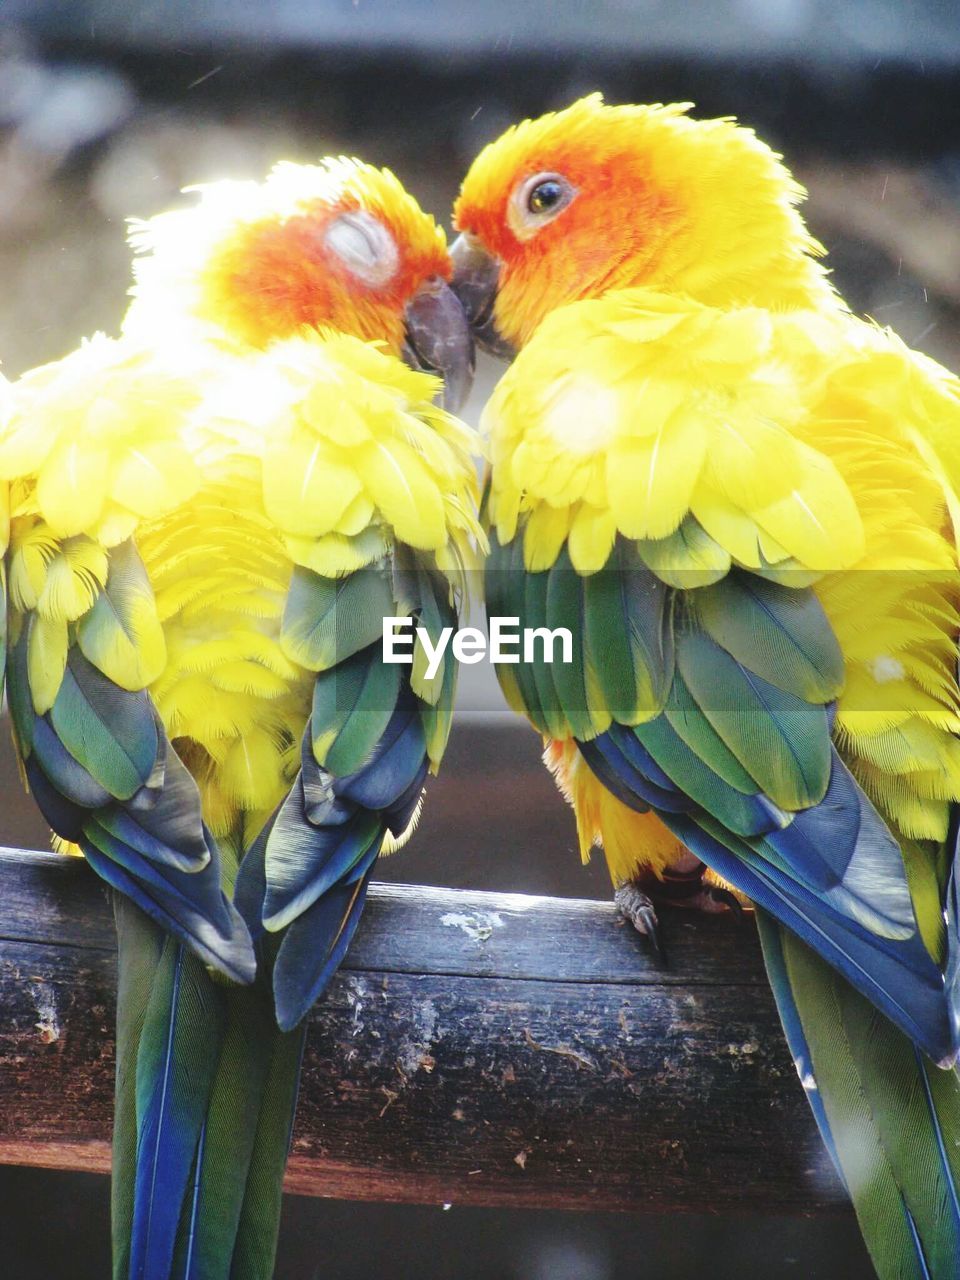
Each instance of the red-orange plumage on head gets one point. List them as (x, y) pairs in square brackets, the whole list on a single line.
[(339, 245), (647, 197)]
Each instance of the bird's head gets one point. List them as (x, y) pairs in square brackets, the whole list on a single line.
[(596, 197), (340, 245)]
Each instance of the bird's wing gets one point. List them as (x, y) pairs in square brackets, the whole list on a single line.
[(666, 493), (90, 452), (372, 490)]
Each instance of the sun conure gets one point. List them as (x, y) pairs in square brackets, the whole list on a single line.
[(210, 518), (742, 503)]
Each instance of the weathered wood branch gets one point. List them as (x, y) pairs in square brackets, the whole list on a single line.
[(476, 1048)]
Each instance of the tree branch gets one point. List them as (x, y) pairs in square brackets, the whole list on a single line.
[(476, 1048)]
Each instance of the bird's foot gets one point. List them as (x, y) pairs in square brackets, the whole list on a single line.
[(683, 884), (637, 906), (686, 886)]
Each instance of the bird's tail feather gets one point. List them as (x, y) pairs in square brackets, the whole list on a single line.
[(206, 1091), (246, 1140), (171, 1019), (889, 1117)]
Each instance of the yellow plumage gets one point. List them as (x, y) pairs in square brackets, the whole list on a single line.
[(805, 442), (759, 496), (210, 519), (227, 469)]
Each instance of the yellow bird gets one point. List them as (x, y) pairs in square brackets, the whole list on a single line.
[(211, 517), (742, 503)]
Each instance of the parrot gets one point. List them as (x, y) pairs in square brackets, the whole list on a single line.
[(212, 516), (742, 503)]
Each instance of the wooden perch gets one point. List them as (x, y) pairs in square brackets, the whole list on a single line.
[(476, 1048)]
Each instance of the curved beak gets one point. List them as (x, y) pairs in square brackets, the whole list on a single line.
[(438, 340), (476, 276)]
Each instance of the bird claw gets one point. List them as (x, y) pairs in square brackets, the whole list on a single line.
[(683, 885), (715, 901), (687, 887), (637, 907)]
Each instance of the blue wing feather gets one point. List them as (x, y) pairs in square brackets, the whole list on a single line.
[(307, 879), (739, 764), (314, 946), (898, 976)]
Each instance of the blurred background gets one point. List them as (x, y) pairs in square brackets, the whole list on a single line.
[(109, 107)]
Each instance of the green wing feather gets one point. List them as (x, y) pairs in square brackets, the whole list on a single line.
[(141, 943), (352, 705), (121, 634), (97, 759), (554, 719), (576, 687), (114, 738), (431, 601), (255, 1247), (328, 619), (433, 613), (780, 634), (781, 739), (610, 643), (729, 740), (621, 631), (496, 591), (375, 729), (685, 716)]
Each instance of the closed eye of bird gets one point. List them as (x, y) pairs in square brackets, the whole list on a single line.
[(211, 517)]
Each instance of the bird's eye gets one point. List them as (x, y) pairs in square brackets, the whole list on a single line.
[(544, 196), (538, 201)]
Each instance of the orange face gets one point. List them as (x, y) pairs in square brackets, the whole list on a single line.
[(610, 224), (339, 265), (337, 245), (596, 198)]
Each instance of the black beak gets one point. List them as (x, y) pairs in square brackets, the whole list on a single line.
[(475, 278), (438, 340)]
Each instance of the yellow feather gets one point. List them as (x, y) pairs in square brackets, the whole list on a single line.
[(133, 661), (592, 534), (651, 482), (153, 477), (402, 488), (727, 525), (356, 517), (46, 661), (751, 460), (305, 489), (72, 487), (817, 522), (252, 772), (114, 526), (334, 555), (543, 536), (242, 676), (33, 546), (73, 579)]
